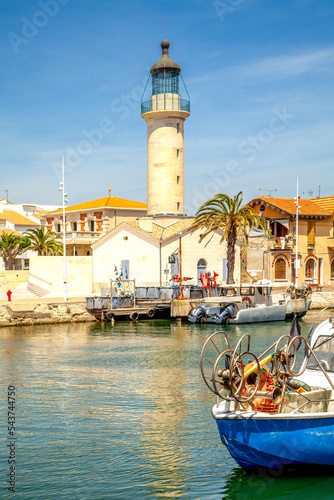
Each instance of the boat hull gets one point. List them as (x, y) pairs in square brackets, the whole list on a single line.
[(277, 312), (278, 441)]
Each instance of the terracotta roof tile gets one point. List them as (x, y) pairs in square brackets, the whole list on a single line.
[(326, 203), (307, 207), (107, 201)]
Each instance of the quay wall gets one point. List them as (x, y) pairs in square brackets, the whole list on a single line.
[(12, 314), (39, 313), (321, 299)]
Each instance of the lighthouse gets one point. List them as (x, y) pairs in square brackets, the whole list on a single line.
[(165, 113)]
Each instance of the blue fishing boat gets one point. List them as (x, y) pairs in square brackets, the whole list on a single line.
[(274, 410)]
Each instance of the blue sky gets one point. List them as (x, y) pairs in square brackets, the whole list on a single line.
[(259, 74)]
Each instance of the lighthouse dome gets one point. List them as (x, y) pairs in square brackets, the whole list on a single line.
[(165, 63)]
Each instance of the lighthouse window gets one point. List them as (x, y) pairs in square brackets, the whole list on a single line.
[(165, 83), (178, 127), (177, 179), (177, 153), (178, 206)]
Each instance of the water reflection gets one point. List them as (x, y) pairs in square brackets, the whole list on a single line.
[(277, 485), (120, 411)]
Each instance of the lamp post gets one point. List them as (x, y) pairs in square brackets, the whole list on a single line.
[(297, 261), (65, 200), (181, 296)]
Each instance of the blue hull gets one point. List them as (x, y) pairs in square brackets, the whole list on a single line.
[(278, 442)]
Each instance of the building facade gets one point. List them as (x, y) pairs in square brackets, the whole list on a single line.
[(87, 222), (272, 256), (15, 219), (150, 251)]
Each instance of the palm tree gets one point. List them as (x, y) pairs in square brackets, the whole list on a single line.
[(44, 241), (11, 246), (232, 218)]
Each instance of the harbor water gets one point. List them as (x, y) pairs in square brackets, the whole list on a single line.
[(121, 412)]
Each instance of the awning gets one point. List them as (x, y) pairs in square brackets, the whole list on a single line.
[(284, 222)]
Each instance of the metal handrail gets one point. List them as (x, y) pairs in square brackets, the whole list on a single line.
[(317, 316), (308, 402), (180, 105), (40, 279)]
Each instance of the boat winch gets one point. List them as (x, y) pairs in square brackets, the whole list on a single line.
[(255, 383)]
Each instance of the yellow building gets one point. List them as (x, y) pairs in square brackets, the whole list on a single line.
[(87, 222), (273, 257)]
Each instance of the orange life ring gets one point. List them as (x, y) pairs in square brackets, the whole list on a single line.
[(247, 299)]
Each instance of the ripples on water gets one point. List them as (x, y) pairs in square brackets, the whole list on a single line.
[(121, 412)]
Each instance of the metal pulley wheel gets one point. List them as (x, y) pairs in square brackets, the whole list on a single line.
[(214, 346), (238, 384)]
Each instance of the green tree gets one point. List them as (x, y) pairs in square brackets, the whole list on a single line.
[(11, 246), (232, 218), (44, 241)]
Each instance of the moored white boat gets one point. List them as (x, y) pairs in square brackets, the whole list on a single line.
[(270, 413), (254, 303)]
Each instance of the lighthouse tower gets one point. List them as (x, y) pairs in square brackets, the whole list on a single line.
[(165, 113)]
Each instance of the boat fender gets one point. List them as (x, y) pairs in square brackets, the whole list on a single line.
[(151, 313), (109, 315), (134, 316)]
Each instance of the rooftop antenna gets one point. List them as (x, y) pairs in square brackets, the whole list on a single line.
[(165, 28), (6, 191), (319, 191), (109, 189), (269, 190)]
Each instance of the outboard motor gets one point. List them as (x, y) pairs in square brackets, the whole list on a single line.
[(197, 315), (225, 313)]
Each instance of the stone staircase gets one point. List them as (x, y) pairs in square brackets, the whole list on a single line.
[(37, 290)]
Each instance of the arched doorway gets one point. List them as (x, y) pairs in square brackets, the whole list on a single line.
[(280, 269), (201, 268)]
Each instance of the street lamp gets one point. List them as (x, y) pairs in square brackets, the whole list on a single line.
[(181, 296), (65, 200), (297, 260)]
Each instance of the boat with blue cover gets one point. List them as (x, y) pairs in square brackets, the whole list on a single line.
[(274, 410)]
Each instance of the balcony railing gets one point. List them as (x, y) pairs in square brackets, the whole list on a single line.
[(165, 102), (81, 234), (281, 242)]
